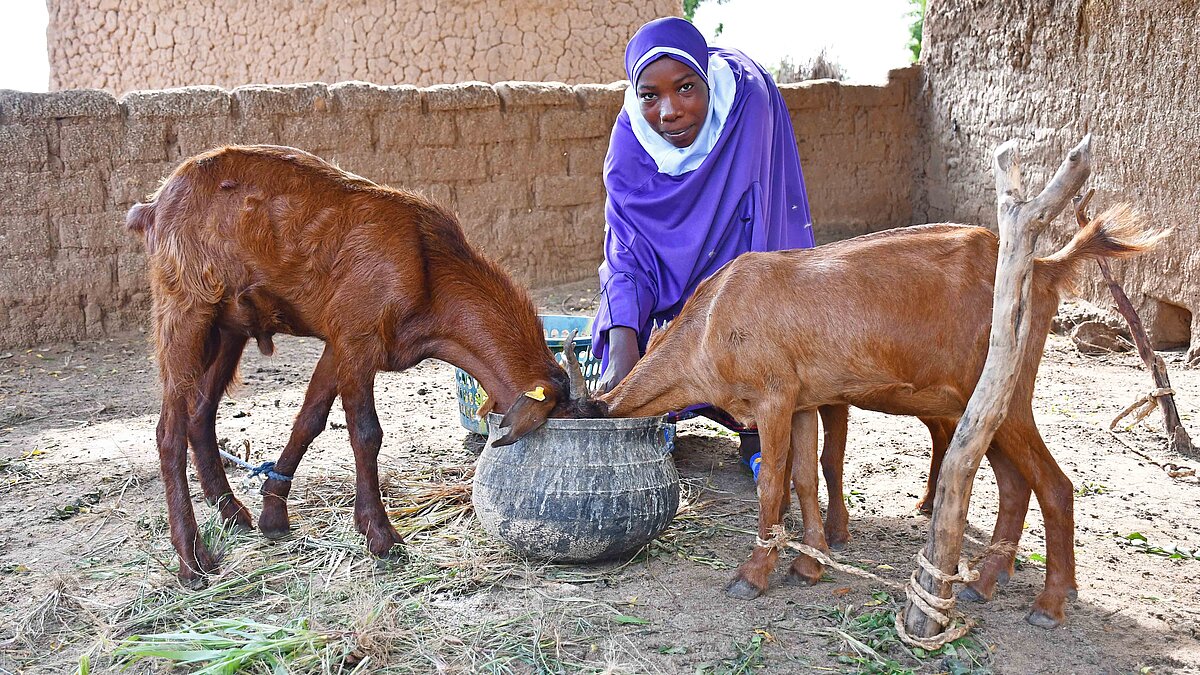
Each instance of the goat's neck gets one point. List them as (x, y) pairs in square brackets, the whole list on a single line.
[(503, 374), (498, 340), (660, 382)]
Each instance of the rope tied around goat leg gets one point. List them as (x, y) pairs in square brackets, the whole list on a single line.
[(1142, 407), (780, 539), (940, 610), (265, 469)]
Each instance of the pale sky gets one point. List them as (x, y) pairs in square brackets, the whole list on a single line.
[(23, 61), (867, 37)]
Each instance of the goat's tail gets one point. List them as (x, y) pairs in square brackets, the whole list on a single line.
[(140, 218), (1119, 232)]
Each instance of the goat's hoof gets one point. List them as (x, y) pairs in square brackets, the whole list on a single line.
[(234, 514), (925, 507), (274, 532), (195, 579), (805, 570), (274, 524), (1003, 578), (240, 521), (209, 562), (837, 539), (388, 547), (193, 582), (1072, 593), (396, 557), (1040, 619), (971, 595), (797, 579), (194, 576), (743, 590)]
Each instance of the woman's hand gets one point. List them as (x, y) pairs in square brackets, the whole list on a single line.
[(623, 353)]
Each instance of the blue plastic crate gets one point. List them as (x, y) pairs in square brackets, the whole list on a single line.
[(557, 328)]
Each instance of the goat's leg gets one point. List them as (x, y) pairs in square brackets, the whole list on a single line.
[(835, 420), (1024, 446), (1056, 498), (309, 424), (202, 430), (941, 430), (181, 367), (787, 471), (775, 432), (997, 566), (356, 386), (804, 476)]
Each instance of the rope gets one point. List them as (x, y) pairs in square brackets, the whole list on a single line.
[(780, 539), (265, 469), (1142, 407), (965, 574), (1173, 470), (939, 609)]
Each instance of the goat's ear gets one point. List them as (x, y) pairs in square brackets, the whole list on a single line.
[(525, 415), (488, 404)]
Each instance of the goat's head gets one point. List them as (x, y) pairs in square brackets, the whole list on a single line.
[(567, 396)]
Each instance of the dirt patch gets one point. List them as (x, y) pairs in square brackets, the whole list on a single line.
[(85, 560)]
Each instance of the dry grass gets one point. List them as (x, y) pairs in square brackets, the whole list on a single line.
[(317, 602), (52, 618)]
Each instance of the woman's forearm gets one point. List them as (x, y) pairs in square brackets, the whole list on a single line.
[(623, 353)]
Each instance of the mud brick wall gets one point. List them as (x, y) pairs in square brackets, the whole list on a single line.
[(519, 162), (859, 152), (127, 45), (1049, 72)]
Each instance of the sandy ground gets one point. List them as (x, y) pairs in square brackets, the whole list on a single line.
[(82, 544)]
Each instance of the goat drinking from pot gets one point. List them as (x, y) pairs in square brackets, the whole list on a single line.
[(897, 322), (246, 242)]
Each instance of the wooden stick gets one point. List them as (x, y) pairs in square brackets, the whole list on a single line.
[(1020, 224), (1177, 437)]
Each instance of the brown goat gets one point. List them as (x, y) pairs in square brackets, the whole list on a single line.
[(250, 241), (897, 322)]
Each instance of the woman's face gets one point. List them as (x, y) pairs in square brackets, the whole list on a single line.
[(674, 100)]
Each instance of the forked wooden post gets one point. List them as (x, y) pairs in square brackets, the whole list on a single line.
[(1177, 436), (1021, 222)]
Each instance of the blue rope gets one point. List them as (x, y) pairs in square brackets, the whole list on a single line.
[(265, 469)]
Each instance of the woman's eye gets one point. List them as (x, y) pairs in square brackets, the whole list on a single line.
[(647, 97), (687, 87)]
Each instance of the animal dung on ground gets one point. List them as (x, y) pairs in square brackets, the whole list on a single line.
[(578, 490)]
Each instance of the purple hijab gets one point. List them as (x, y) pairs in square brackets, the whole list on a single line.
[(675, 216)]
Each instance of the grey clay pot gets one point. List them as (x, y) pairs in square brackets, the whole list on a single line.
[(578, 490)]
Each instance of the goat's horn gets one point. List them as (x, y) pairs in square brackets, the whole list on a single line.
[(579, 388)]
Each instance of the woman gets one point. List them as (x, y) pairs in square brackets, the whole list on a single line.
[(702, 167)]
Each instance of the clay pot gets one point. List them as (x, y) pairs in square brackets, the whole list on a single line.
[(578, 490)]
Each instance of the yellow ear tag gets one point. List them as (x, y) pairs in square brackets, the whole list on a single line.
[(538, 394)]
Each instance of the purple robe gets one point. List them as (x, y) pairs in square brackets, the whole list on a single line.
[(674, 217)]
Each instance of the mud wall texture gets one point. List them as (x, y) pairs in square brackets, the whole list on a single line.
[(126, 45), (519, 162), (1049, 72), (860, 153)]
